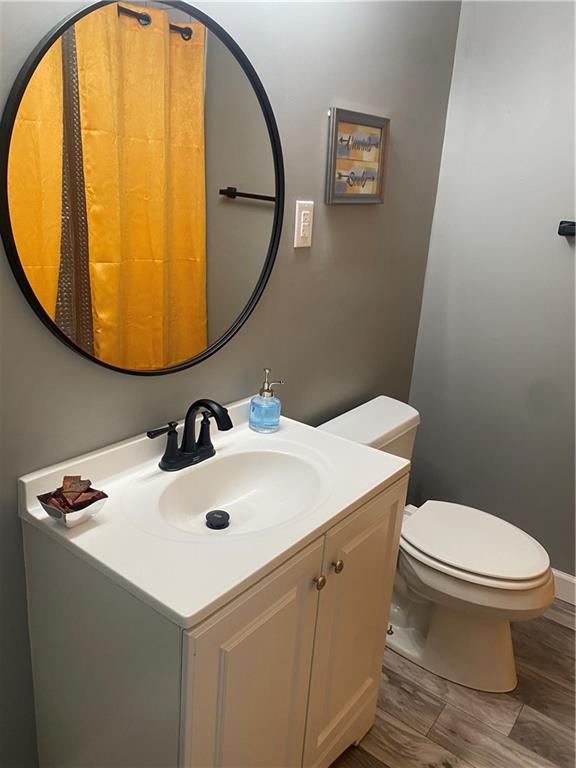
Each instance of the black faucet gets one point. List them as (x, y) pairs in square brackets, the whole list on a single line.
[(191, 451)]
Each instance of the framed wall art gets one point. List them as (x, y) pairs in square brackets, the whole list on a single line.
[(356, 165)]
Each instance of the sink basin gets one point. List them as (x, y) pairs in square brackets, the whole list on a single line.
[(260, 486), (281, 491)]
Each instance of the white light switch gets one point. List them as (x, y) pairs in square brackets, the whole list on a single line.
[(303, 223)]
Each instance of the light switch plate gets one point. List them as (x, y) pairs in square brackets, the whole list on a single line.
[(303, 223)]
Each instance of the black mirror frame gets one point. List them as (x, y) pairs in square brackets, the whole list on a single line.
[(6, 127)]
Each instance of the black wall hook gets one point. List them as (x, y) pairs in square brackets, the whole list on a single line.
[(566, 228)]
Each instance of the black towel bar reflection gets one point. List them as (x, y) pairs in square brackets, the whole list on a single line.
[(567, 228), (232, 193)]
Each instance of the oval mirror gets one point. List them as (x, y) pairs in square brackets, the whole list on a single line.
[(143, 185)]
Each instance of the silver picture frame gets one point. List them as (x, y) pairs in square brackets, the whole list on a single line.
[(357, 157)]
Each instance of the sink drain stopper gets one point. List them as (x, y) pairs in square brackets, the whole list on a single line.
[(217, 519)]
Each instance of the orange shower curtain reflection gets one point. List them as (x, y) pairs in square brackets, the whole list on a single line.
[(141, 104), (35, 178)]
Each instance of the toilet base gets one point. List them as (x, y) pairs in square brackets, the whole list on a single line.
[(470, 649)]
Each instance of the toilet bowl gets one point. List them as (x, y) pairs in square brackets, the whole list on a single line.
[(463, 575)]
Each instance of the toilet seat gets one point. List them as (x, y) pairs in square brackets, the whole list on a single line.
[(474, 546), (470, 576)]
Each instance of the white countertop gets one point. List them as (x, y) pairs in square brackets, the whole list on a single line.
[(188, 580)]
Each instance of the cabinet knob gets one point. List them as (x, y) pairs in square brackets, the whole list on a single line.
[(320, 582), (338, 566)]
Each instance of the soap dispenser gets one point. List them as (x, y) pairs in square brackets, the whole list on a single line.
[(265, 407)]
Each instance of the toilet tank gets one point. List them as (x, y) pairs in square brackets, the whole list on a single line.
[(382, 423)]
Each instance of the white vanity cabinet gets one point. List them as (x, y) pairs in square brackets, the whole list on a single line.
[(284, 675), (247, 672), (351, 626), (288, 673)]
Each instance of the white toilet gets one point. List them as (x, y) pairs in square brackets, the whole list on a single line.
[(463, 575)]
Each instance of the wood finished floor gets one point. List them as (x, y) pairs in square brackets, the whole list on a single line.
[(425, 722)]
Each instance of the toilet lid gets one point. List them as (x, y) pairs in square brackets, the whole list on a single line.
[(471, 540)]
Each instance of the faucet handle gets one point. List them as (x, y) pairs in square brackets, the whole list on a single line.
[(169, 460), (170, 429), (204, 440)]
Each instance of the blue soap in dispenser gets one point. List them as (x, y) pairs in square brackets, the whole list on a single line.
[(265, 407)]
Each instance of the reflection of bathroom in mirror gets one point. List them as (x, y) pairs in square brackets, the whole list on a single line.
[(131, 123)]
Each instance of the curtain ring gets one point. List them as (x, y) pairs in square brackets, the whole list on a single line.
[(184, 32)]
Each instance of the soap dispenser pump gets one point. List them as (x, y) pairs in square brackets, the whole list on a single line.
[(265, 407)]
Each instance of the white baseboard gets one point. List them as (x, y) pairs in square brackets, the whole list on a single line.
[(565, 586)]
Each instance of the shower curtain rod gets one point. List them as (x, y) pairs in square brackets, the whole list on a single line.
[(144, 19)]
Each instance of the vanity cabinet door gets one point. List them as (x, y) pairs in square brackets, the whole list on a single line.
[(247, 671), (351, 626)]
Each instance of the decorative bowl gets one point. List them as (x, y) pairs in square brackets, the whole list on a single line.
[(71, 519)]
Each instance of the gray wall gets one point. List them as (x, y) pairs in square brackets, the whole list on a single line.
[(338, 321), (494, 369), (237, 231)]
